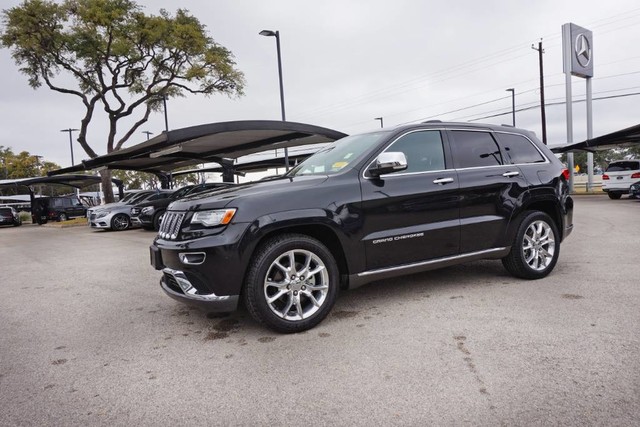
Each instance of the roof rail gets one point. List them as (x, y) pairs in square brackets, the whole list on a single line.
[(433, 121)]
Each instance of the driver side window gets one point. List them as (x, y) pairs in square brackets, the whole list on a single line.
[(423, 150)]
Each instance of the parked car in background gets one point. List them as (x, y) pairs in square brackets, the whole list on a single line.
[(634, 190), (149, 213), (117, 216), (61, 208), (9, 216), (129, 195), (619, 176)]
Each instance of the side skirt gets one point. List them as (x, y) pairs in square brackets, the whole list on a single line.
[(359, 279)]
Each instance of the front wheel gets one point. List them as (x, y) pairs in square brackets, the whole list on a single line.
[(63, 217), (535, 249), (120, 222), (157, 220), (292, 283)]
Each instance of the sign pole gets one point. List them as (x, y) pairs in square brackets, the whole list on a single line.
[(566, 39)]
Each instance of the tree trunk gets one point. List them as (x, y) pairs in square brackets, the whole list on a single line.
[(107, 186)]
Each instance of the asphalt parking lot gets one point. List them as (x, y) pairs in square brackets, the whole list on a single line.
[(88, 338)]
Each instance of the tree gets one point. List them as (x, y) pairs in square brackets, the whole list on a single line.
[(120, 59), (23, 164)]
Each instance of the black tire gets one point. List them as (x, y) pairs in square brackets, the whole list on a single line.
[(63, 217), (298, 295), (614, 196), (530, 257), (120, 222), (157, 219), (148, 227)]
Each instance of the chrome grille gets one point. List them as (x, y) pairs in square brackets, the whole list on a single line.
[(170, 225)]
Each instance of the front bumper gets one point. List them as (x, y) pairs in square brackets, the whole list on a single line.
[(176, 285), (104, 222)]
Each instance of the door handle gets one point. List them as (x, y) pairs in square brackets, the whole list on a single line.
[(510, 174), (442, 180)]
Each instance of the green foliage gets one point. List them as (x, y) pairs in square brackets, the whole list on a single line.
[(119, 58), (25, 216), (22, 165), (142, 180)]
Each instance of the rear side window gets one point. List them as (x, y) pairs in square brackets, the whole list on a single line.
[(423, 150), (474, 149), (623, 166), (519, 149)]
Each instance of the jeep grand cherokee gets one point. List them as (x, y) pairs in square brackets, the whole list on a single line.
[(368, 207)]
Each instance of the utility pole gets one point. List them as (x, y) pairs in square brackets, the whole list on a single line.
[(146, 132), (381, 122), (543, 113), (70, 131)]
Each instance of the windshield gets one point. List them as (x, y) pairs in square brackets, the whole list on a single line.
[(181, 192), (338, 155)]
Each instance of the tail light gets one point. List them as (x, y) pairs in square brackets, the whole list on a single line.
[(565, 173), (636, 175), (605, 176)]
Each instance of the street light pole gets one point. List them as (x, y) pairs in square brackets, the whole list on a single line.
[(381, 121), (70, 141), (146, 132), (276, 34), (513, 105)]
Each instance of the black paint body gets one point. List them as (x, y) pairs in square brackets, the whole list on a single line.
[(376, 228)]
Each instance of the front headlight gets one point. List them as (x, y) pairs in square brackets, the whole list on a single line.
[(148, 210), (102, 214), (213, 218)]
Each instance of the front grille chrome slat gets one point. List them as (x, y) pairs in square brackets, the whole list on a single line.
[(170, 226)]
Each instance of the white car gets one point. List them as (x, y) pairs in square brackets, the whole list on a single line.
[(619, 176), (117, 216)]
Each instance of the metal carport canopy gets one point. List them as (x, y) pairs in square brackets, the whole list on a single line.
[(76, 181), (620, 138), (215, 142)]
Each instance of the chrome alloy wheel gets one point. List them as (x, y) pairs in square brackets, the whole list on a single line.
[(120, 222), (538, 245), (296, 284)]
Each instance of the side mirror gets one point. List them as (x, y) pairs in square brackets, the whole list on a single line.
[(388, 162)]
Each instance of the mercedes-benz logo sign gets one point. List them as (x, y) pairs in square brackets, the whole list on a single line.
[(583, 50)]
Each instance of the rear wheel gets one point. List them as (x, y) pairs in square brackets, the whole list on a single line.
[(292, 283), (120, 222), (535, 249), (614, 196), (63, 217)]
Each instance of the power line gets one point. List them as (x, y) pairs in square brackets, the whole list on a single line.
[(552, 104), (446, 73)]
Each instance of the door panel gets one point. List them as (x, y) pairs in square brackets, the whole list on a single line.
[(489, 189), (412, 216)]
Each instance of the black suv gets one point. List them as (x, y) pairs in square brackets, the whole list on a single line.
[(368, 207), (149, 214), (57, 209)]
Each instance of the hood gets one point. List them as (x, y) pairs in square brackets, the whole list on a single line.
[(161, 203), (219, 198)]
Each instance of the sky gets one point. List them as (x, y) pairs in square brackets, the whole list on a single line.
[(347, 62)]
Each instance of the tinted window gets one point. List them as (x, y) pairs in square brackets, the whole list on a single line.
[(519, 149), (623, 166), (474, 149), (422, 149)]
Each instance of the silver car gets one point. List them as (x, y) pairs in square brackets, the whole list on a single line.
[(117, 216)]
